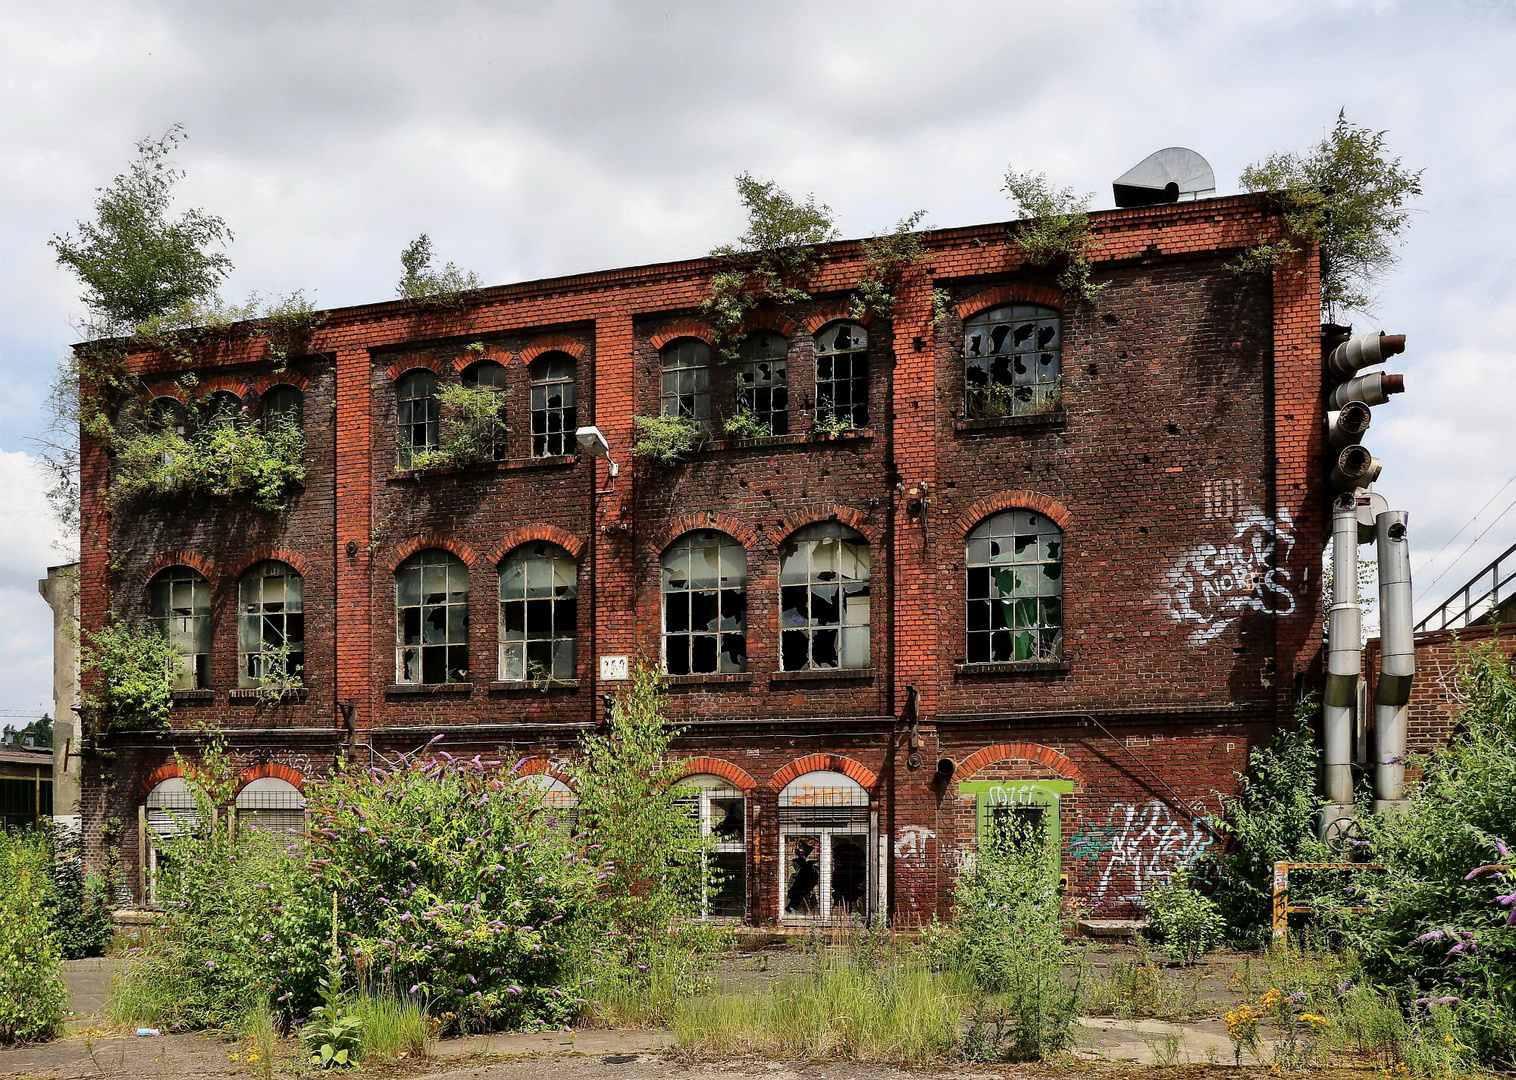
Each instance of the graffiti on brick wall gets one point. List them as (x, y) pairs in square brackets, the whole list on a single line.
[(912, 841), (1137, 847), (1214, 584)]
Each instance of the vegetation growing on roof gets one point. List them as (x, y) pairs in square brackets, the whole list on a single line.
[(1054, 230), (447, 289)]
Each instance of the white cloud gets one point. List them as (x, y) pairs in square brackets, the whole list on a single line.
[(28, 538)]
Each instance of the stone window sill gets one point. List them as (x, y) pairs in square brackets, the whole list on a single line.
[(824, 675), (509, 465), (1055, 418), (1015, 667), (430, 688), (247, 694), (193, 697), (796, 438), (736, 678), (541, 686)]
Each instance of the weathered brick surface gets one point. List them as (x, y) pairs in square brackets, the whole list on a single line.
[(1185, 464), (1435, 697)]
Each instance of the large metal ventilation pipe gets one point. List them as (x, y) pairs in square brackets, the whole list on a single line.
[(1344, 664), (1397, 660), (1347, 425), (1363, 351)]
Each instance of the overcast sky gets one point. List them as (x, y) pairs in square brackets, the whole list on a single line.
[(547, 138)]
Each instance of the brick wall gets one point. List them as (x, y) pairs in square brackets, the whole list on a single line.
[(1434, 690)]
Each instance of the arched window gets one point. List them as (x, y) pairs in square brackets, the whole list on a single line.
[(431, 625), (224, 409), (539, 613), (557, 797), (704, 605), (842, 375), (270, 624), (1015, 589), (824, 599), (169, 811), (554, 415), (490, 375), (179, 601), (284, 404), (273, 805), (722, 812), (1012, 361), (416, 415), (686, 389), (826, 848), (763, 380), (167, 413)]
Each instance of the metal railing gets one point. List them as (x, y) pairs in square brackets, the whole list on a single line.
[(1463, 607)]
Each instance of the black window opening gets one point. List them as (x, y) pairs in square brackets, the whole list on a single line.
[(704, 605), (825, 839), (824, 599), (554, 413), (1014, 589), (1012, 361), (225, 409), (417, 417), (686, 385), (270, 624), (283, 404), (842, 375), (539, 614), (722, 813), (431, 597), (179, 602), (490, 375), (763, 380)]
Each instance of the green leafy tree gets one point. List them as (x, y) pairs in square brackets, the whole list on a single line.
[(1054, 230), (1345, 194), (422, 284), (131, 666)]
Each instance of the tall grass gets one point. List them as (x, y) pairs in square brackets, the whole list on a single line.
[(394, 1027)]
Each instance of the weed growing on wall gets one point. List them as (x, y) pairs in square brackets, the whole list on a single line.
[(32, 995), (664, 440), (471, 431), (744, 424), (127, 668), (448, 288), (1055, 230)]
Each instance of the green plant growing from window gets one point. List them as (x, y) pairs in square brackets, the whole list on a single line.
[(831, 425), (771, 261), (447, 289), (999, 400), (664, 440), (127, 668), (471, 431), (1055, 230), (886, 260), (1345, 195), (279, 679), (744, 424)]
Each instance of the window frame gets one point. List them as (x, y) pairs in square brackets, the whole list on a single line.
[(1047, 636), (451, 674), (196, 674), (547, 442), (827, 410), (723, 542), (990, 795), (698, 392), (470, 376), (294, 408), (554, 554), (705, 788), (406, 422), (809, 583), (761, 384), (246, 680), (1041, 392), (845, 809)]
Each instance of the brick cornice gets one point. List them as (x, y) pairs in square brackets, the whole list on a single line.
[(1045, 295), (574, 545), (682, 329), (160, 774), (710, 519), (824, 763), (837, 312), (1014, 500), (709, 766), (411, 363), (847, 515), (547, 343), (255, 556), (404, 549), (271, 770), (1019, 751)]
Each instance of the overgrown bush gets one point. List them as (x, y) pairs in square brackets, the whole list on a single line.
[(79, 903), (744, 424), (128, 669), (886, 260), (447, 289), (210, 455), (1054, 230), (471, 428), (1188, 924), (33, 997), (664, 440)]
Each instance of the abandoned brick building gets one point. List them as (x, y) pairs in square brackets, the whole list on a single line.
[(1018, 554)]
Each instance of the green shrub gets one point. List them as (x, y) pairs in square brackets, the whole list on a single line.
[(447, 289), (472, 428), (33, 998), (216, 455), (886, 259), (1054, 230), (132, 689), (744, 424), (79, 903), (664, 440), (1188, 924)]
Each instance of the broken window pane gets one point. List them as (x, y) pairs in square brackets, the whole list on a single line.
[(842, 375), (704, 604), (1012, 362), (802, 876), (825, 570), (538, 613), (554, 413), (431, 618), (1014, 589), (179, 600), (762, 380), (270, 604), (416, 415), (686, 389)]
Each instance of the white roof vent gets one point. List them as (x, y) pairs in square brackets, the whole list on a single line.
[(1174, 174)]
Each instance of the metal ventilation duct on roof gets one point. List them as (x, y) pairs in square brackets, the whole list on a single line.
[(1173, 174)]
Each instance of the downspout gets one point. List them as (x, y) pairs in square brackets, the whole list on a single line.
[(1397, 663), (1344, 664)]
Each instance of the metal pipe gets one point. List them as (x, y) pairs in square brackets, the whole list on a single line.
[(1347, 425), (1344, 664), (1355, 467), (1363, 351), (1397, 661), (1374, 388)]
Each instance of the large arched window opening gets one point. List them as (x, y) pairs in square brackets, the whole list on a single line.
[(1012, 361), (824, 599), (417, 415), (179, 602), (763, 380), (272, 805), (431, 624), (539, 613), (490, 375), (826, 840), (704, 605), (722, 812), (842, 375), (168, 812), (270, 625), (1014, 590), (554, 410), (686, 385), (558, 798)]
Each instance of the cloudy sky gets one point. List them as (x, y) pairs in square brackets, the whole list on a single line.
[(546, 138)]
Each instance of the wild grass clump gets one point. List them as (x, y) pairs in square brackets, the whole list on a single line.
[(394, 1026), (1139, 988)]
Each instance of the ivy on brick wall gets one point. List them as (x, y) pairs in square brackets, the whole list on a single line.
[(129, 668)]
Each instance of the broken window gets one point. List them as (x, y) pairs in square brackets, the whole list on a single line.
[(490, 375), (270, 616), (824, 599), (539, 614), (763, 380), (1012, 361), (431, 626), (686, 389), (169, 811), (1015, 589), (284, 402), (554, 415), (722, 813), (704, 605), (842, 375), (179, 601), (271, 805), (826, 843), (416, 415)]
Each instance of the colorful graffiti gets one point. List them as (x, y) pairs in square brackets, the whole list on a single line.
[(1137, 846), (1212, 585)]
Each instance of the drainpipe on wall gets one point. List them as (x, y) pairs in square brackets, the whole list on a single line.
[(1344, 664), (1397, 661)]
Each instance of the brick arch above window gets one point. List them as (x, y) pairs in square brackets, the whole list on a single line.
[(224, 384), (739, 531), (193, 559), (404, 549), (1019, 751), (770, 320), (547, 343), (838, 312), (681, 329), (255, 556), (284, 378), (411, 363), (271, 770), (853, 770), (536, 766), (735, 775), (574, 545), (1045, 295), (160, 774), (465, 360), (1014, 500), (163, 390), (850, 516)]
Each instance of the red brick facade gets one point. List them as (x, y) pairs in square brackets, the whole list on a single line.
[(1182, 468)]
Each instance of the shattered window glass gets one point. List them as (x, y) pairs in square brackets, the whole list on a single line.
[(179, 601), (704, 605), (270, 616), (722, 813), (490, 375), (763, 380), (1012, 361), (686, 389), (825, 840), (1015, 589), (554, 413), (431, 627), (539, 613), (842, 375), (416, 415), (824, 599)]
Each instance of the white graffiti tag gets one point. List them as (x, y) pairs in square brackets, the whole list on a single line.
[(1137, 847), (911, 844), (1211, 585)]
